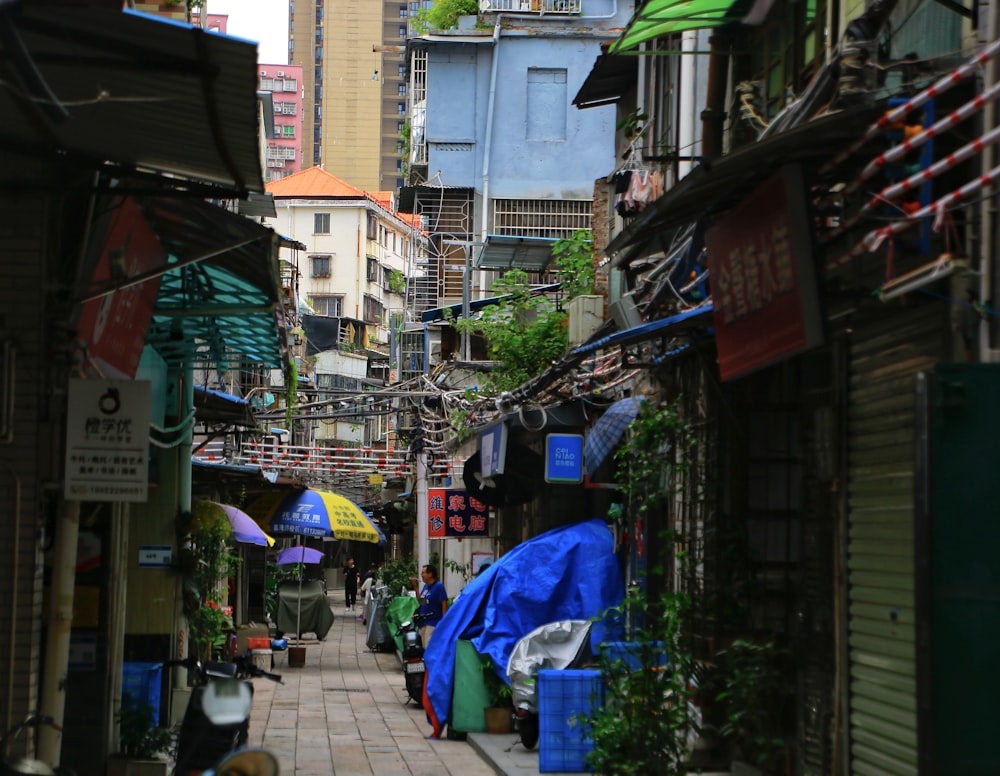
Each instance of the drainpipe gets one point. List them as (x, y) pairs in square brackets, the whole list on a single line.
[(60, 621), (714, 115), (987, 210), (687, 110), (423, 537), (488, 141)]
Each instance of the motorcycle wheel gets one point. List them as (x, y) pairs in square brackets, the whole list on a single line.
[(527, 726), (415, 687)]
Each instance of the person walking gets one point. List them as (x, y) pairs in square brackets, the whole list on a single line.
[(433, 602), (351, 576)]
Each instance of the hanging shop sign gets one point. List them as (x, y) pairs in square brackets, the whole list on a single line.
[(564, 458), (454, 513), (113, 327), (107, 440), (493, 451), (764, 295)]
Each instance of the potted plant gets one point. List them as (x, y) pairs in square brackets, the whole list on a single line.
[(141, 743), (500, 713)]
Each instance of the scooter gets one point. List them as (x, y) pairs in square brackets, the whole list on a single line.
[(562, 644), (412, 655), (21, 766), (205, 737)]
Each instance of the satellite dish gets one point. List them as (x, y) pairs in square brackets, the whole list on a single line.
[(518, 484)]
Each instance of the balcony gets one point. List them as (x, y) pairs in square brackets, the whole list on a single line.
[(540, 7)]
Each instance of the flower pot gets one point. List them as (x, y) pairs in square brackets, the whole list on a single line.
[(499, 719), (296, 657)]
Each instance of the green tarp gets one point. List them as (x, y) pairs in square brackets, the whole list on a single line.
[(658, 18), (316, 614), (470, 695), (399, 611)]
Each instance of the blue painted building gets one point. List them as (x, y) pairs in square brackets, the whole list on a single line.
[(501, 163)]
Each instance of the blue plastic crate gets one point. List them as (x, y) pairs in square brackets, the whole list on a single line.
[(563, 743), (631, 653), (141, 685)]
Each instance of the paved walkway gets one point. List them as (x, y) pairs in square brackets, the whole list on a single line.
[(345, 713)]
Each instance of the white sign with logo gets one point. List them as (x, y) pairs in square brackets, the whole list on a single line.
[(107, 440)]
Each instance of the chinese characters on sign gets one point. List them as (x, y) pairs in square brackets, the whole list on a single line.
[(107, 440), (456, 513), (564, 458), (764, 297)]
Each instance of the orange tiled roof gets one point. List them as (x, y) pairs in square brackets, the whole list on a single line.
[(313, 182)]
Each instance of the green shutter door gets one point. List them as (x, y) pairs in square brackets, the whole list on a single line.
[(884, 360)]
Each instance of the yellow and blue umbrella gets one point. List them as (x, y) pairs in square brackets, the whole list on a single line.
[(316, 513)]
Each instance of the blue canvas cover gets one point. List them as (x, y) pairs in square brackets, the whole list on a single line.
[(568, 573)]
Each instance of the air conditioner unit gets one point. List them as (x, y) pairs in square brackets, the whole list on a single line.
[(281, 74), (263, 74)]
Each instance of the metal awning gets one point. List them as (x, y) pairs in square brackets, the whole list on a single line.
[(532, 254), (220, 306), (218, 407), (609, 78), (658, 18), (107, 88)]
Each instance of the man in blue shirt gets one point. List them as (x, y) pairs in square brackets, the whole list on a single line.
[(433, 602)]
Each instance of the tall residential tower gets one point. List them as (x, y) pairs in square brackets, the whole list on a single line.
[(354, 99)]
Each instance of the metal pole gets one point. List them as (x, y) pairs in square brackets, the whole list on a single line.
[(423, 540)]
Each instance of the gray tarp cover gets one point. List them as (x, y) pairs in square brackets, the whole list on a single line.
[(317, 616)]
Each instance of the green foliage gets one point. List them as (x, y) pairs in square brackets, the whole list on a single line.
[(405, 144), (501, 694), (644, 724), (524, 333), (659, 447), (291, 391), (574, 263), (397, 281), (396, 574), (138, 736), (443, 15), (207, 563), (464, 570), (751, 694)]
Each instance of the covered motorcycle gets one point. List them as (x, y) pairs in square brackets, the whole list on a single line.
[(558, 645)]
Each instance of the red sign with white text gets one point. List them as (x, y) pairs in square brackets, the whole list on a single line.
[(113, 327), (764, 298), (452, 513)]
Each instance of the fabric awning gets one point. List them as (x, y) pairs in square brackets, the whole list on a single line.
[(664, 17), (609, 78)]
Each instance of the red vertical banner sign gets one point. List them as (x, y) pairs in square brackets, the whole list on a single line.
[(764, 296), (453, 513), (113, 327)]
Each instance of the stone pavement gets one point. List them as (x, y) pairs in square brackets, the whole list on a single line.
[(346, 712)]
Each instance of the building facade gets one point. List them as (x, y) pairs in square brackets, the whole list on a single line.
[(283, 155)]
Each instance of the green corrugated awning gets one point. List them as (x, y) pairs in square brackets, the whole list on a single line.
[(664, 17)]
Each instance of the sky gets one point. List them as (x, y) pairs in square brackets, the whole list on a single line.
[(263, 21)]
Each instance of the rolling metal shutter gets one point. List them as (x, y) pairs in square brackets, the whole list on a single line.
[(884, 359)]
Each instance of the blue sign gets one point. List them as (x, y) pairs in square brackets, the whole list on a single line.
[(564, 458)]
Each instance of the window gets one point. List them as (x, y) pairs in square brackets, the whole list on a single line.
[(320, 265), (402, 30), (328, 305), (399, 126), (371, 227), (374, 310), (401, 71), (288, 130), (372, 270), (401, 108), (321, 223), (402, 90), (403, 12), (547, 103)]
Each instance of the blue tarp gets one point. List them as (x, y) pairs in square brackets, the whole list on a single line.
[(568, 573)]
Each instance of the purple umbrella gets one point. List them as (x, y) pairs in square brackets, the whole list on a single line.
[(245, 528), (299, 554)]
